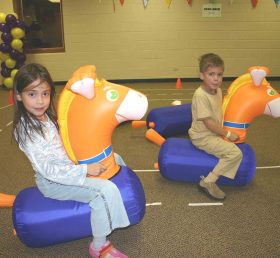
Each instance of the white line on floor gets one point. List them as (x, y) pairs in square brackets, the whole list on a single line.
[(1, 130), (5, 106), (156, 170), (165, 89), (145, 170), (153, 204), (268, 167), (9, 123), (206, 204), (168, 99), (173, 89)]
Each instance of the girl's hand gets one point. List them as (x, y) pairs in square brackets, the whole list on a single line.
[(233, 137), (95, 169)]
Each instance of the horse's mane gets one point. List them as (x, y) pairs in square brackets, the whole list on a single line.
[(65, 100), (64, 103), (237, 83)]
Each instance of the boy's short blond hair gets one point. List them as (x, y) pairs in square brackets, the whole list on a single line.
[(210, 59)]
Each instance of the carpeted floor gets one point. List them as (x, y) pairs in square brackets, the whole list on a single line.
[(246, 225)]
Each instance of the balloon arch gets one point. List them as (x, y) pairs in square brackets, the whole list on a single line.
[(12, 55)]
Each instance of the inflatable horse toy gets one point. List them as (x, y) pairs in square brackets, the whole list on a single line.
[(107, 105), (88, 111), (249, 96)]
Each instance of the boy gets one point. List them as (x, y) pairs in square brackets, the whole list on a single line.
[(206, 131)]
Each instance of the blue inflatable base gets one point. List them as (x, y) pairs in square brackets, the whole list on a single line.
[(41, 221), (180, 160)]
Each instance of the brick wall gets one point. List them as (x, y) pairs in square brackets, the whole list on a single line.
[(162, 42)]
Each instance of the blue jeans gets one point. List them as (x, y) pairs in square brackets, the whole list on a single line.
[(103, 196)]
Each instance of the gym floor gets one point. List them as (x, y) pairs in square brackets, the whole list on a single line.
[(247, 224)]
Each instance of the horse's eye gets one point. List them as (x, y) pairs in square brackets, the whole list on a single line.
[(270, 92), (112, 95)]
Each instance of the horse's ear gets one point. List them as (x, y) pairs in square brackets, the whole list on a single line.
[(258, 73), (84, 87)]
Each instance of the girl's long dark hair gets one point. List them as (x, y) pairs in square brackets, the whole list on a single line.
[(24, 123)]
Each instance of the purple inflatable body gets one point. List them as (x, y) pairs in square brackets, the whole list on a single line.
[(41, 221), (171, 121), (180, 160)]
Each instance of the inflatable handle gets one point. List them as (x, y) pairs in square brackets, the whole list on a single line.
[(138, 124), (154, 136), (7, 200), (156, 165)]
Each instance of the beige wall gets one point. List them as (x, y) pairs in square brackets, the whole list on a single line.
[(6, 6), (162, 42)]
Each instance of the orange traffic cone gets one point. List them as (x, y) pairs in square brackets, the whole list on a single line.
[(178, 84), (11, 97)]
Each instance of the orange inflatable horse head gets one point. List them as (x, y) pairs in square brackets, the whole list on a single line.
[(89, 110), (249, 96)]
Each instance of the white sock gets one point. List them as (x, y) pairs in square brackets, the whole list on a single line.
[(98, 242)]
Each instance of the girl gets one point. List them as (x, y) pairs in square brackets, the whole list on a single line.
[(35, 129)]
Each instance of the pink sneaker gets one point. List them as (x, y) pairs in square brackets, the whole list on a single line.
[(106, 251)]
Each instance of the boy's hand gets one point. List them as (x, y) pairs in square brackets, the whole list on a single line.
[(95, 169), (233, 137)]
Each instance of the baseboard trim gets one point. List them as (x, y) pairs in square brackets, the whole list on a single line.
[(129, 81)]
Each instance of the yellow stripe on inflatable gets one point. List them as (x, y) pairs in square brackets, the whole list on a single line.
[(65, 101)]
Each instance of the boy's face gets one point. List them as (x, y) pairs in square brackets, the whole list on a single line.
[(212, 78)]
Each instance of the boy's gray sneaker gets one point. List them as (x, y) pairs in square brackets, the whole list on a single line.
[(211, 189)]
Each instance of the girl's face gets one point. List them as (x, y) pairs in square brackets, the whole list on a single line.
[(212, 78), (36, 98)]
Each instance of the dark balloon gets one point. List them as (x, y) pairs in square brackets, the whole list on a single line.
[(3, 65), (5, 48), (6, 72), (6, 37), (4, 27), (14, 54), (20, 24), (21, 58), (11, 20), (18, 65)]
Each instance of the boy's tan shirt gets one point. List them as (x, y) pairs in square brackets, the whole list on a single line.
[(205, 105)]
